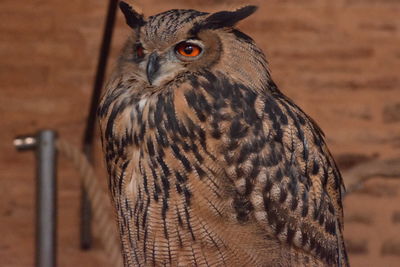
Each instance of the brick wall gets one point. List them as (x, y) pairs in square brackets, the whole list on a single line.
[(339, 60)]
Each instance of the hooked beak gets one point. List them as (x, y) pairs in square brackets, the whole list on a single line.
[(153, 65)]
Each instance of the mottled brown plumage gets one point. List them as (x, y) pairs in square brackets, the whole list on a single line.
[(209, 163)]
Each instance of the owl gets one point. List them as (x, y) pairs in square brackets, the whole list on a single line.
[(209, 164)]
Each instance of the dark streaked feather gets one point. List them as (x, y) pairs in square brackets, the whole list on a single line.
[(133, 19), (224, 19)]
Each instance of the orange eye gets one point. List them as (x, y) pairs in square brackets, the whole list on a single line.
[(188, 49)]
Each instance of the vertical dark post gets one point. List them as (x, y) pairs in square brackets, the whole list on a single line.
[(46, 199), (86, 240)]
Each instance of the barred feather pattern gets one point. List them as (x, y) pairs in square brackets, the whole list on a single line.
[(208, 173)]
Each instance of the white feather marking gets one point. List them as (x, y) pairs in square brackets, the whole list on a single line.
[(142, 102)]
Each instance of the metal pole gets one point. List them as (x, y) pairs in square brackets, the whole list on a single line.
[(86, 239), (46, 199), (46, 195)]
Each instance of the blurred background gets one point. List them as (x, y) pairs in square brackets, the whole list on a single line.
[(338, 60)]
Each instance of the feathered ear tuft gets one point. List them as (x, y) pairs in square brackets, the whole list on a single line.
[(228, 18), (133, 18)]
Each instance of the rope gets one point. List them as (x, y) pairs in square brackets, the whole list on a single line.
[(355, 177), (98, 198)]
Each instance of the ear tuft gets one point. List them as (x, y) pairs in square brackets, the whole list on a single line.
[(133, 18), (228, 18)]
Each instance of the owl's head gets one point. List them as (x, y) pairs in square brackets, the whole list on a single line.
[(171, 44)]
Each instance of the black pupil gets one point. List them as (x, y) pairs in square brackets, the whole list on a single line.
[(188, 49)]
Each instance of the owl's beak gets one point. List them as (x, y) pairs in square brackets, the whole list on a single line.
[(153, 65)]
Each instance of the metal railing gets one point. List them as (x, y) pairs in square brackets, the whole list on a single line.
[(48, 147), (43, 143)]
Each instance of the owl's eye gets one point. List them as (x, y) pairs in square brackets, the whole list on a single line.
[(139, 50), (188, 49)]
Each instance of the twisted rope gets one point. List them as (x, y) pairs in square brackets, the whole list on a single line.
[(98, 198), (355, 177)]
